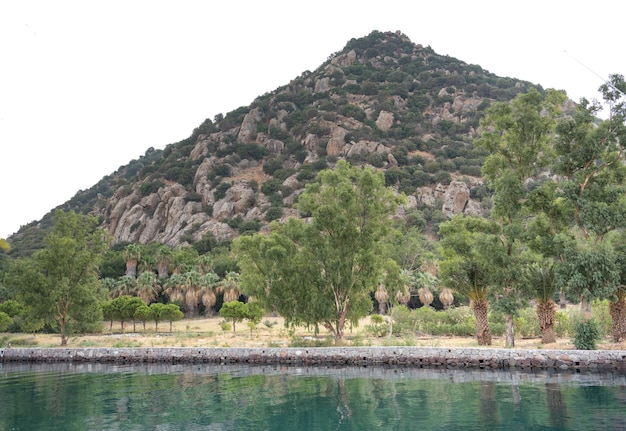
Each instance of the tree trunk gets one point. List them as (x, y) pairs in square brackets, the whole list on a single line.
[(391, 322), (509, 332), (545, 314), (131, 268), (483, 333), (618, 319), (562, 299), (163, 269), (585, 307), (382, 308), (64, 340)]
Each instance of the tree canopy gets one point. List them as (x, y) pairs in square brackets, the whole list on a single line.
[(60, 283), (320, 271)]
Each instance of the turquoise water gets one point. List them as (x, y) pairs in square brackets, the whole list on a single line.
[(207, 397)]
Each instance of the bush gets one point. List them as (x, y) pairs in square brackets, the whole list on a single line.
[(526, 323), (586, 334), (602, 316), (378, 327), (561, 324)]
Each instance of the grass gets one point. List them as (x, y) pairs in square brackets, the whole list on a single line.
[(207, 332)]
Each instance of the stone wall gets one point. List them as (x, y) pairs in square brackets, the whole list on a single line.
[(420, 357)]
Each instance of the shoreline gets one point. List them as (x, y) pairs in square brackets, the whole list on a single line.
[(416, 357)]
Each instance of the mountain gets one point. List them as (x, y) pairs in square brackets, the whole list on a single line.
[(382, 100)]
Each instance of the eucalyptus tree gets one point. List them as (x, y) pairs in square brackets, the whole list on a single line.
[(518, 136), (323, 270), (590, 160), (59, 284)]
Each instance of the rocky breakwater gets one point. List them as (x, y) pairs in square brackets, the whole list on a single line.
[(421, 357)]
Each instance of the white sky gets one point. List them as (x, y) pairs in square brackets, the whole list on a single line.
[(87, 86)]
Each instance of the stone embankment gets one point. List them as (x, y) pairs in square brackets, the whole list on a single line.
[(420, 357)]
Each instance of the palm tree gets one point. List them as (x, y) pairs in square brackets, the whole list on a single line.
[(125, 285), (163, 257), (175, 288), (147, 287), (471, 280), (190, 289), (230, 286), (617, 310), (132, 253), (446, 297), (403, 296), (425, 295), (382, 297), (109, 284), (542, 283), (204, 263), (208, 298), (426, 281)]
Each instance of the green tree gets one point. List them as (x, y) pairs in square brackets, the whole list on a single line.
[(60, 283), (129, 307), (143, 314), (157, 312), (234, 311), (172, 313), (254, 314), (322, 271), (591, 161), (5, 321), (109, 312), (518, 136)]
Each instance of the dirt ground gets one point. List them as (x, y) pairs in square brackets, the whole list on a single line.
[(207, 332)]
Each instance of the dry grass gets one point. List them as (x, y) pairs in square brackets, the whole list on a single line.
[(207, 332)]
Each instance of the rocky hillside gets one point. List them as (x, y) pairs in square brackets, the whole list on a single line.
[(382, 100)]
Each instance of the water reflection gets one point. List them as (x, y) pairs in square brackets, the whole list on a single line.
[(216, 397)]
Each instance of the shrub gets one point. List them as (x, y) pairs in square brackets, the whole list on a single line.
[(526, 323), (586, 334), (602, 316), (378, 327), (561, 324), (220, 191)]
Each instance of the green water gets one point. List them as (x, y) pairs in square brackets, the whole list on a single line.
[(91, 397)]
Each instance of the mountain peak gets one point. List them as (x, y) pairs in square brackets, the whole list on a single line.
[(382, 101)]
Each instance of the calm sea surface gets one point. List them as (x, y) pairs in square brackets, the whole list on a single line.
[(209, 397)]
